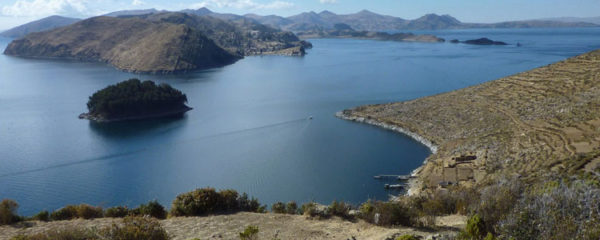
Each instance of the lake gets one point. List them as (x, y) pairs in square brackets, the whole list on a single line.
[(250, 128)]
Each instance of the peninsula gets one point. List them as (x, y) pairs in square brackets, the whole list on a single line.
[(135, 100), (158, 43), (544, 121)]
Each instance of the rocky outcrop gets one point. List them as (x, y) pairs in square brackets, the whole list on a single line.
[(157, 43)]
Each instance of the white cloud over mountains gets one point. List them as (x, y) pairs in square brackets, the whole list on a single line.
[(26, 8), (243, 4), (328, 1)]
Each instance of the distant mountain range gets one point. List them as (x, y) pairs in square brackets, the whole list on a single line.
[(43, 24), (370, 21), (326, 20)]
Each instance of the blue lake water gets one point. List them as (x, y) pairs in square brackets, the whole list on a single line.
[(249, 129)]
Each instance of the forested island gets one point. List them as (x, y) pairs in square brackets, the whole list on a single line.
[(133, 100)]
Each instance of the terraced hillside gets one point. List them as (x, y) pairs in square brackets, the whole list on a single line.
[(536, 122)]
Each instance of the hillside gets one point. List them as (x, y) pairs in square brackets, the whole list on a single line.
[(157, 43), (546, 120), (43, 24)]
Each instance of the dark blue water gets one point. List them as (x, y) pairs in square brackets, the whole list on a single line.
[(249, 129)]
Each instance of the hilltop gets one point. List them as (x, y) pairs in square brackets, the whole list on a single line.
[(158, 43), (40, 25), (544, 121)]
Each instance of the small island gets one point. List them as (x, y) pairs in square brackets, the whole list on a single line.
[(135, 100)]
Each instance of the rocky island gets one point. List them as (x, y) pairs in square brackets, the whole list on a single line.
[(158, 43), (345, 31), (135, 100)]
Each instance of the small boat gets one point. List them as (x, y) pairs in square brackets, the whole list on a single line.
[(310, 117)]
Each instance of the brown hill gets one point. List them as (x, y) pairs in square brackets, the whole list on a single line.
[(157, 43)]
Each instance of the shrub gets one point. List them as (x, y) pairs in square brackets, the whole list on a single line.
[(389, 213), (80, 211), (475, 229), (42, 216), (278, 207), (309, 209), (291, 208), (116, 212), (89, 212), (249, 205), (339, 209), (152, 209), (135, 228), (250, 233), (8, 212), (208, 201), (407, 237), (66, 213)]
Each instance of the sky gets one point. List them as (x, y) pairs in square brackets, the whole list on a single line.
[(16, 12)]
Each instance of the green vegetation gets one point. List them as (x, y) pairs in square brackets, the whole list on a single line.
[(135, 98), (116, 212), (132, 228), (291, 208), (250, 233), (207, 201), (340, 209), (8, 212), (407, 237), (80, 211), (152, 209), (278, 207)]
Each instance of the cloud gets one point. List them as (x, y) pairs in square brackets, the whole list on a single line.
[(28, 8), (243, 4), (138, 3), (328, 1)]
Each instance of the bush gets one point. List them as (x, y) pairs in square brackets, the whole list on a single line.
[(66, 213), (42, 216), (8, 212), (250, 233), (152, 209), (407, 237), (89, 212), (116, 212), (208, 201), (388, 213), (309, 209), (291, 208), (135, 228), (475, 229), (249, 205), (80, 211), (339, 209), (278, 207)]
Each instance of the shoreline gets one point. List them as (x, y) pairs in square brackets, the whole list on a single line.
[(100, 119), (413, 183)]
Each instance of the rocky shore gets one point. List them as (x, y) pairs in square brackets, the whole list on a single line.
[(102, 119)]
